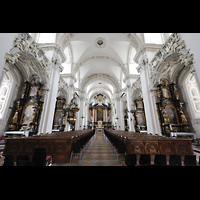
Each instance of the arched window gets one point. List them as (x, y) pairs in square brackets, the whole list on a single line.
[(47, 38), (154, 38), (5, 92), (193, 93)]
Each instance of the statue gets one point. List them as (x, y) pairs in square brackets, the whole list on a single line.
[(33, 116), (15, 117), (183, 117), (159, 94), (166, 117)]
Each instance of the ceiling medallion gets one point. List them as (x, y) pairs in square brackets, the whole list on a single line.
[(100, 43)]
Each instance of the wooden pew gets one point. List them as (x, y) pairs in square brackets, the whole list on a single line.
[(137, 143), (57, 145)]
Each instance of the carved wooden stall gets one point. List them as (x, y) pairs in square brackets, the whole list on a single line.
[(170, 109), (28, 108), (137, 143), (57, 145)]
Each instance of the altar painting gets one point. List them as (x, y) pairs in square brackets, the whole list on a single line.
[(172, 115), (28, 113), (58, 119), (140, 118), (100, 114)]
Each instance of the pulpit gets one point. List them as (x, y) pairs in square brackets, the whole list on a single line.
[(72, 110)]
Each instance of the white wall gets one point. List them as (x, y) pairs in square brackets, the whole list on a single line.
[(6, 43)]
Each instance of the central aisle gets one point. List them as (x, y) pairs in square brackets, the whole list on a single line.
[(98, 152)]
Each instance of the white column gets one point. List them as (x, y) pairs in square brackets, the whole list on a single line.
[(78, 114), (130, 115), (121, 117), (45, 93), (157, 127), (51, 101), (149, 100), (118, 113)]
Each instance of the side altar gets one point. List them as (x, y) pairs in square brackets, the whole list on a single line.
[(27, 109), (171, 111)]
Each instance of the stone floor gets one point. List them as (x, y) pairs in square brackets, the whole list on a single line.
[(97, 152)]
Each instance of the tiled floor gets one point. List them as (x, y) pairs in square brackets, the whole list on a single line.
[(97, 152)]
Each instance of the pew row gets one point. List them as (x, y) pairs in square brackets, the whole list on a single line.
[(57, 145), (137, 143)]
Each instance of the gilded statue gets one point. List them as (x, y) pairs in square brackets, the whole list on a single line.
[(176, 91), (183, 117), (15, 117), (166, 117), (159, 94), (33, 116)]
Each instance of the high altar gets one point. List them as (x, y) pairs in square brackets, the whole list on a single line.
[(99, 113)]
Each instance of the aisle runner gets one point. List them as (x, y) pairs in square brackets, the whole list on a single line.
[(98, 152)]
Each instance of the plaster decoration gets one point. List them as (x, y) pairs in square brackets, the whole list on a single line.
[(137, 84), (137, 93), (186, 59), (143, 62), (134, 39), (169, 60), (57, 64), (100, 43), (137, 89), (98, 57), (62, 89), (28, 58), (103, 77), (26, 43), (10, 58)]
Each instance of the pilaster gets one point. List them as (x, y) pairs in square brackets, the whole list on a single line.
[(53, 53), (148, 97)]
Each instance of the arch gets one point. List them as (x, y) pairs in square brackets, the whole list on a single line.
[(96, 77), (103, 57), (66, 38)]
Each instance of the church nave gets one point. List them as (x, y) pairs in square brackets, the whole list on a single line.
[(97, 152)]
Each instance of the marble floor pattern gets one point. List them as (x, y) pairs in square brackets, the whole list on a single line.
[(97, 152)]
